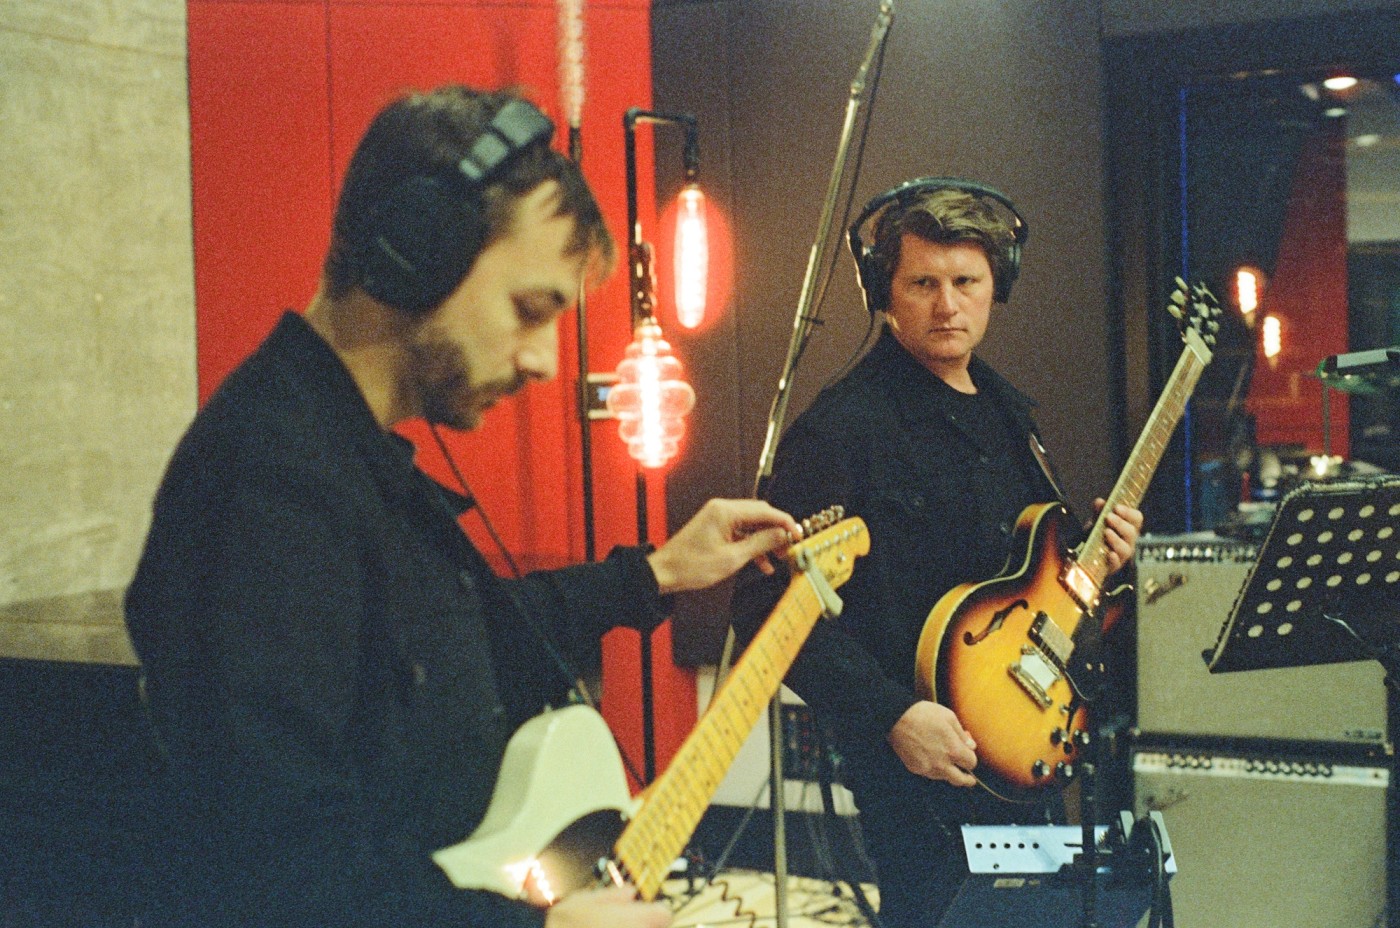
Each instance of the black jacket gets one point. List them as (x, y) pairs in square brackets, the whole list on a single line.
[(892, 444), (332, 669)]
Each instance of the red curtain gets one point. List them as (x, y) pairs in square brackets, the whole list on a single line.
[(1308, 293)]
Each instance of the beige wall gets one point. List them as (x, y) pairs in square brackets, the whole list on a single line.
[(97, 367)]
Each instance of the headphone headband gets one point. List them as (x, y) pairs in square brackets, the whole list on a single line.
[(516, 126), (874, 279)]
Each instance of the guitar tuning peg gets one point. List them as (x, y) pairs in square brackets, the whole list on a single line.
[(1175, 311), (839, 512), (1213, 325), (1181, 284)]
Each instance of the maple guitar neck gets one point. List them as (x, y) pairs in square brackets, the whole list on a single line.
[(674, 804), (1147, 453)]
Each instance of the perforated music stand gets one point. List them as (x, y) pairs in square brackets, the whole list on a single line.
[(1326, 586)]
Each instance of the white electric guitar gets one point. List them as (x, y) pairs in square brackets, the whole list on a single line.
[(561, 817)]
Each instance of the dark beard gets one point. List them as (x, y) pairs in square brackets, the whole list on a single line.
[(442, 381)]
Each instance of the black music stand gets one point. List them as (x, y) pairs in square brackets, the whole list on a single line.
[(1326, 586)]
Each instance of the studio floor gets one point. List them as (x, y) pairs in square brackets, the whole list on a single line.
[(748, 898)]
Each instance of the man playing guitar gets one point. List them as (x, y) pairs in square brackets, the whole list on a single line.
[(939, 455)]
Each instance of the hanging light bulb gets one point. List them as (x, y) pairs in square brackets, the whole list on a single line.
[(1271, 340), (651, 398), (1249, 292), (692, 256)]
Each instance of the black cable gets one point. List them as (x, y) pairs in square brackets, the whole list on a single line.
[(1162, 901), (825, 779), (476, 503), (562, 664)]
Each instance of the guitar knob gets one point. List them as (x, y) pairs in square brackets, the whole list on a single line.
[(1057, 736), (1064, 772), (1081, 738), (1040, 770)]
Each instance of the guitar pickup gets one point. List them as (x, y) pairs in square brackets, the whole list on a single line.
[(1051, 638)]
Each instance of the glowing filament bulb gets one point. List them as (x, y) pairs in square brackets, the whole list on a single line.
[(1247, 289), (692, 257), (651, 397), (1272, 338)]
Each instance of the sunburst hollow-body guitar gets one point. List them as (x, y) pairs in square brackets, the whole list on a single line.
[(1017, 657)]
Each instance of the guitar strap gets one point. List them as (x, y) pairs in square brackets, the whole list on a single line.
[(1043, 460)]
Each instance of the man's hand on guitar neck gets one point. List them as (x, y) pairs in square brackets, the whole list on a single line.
[(1122, 528), (613, 907), (721, 538), (932, 743)]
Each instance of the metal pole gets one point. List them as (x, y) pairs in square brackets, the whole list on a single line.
[(801, 329)]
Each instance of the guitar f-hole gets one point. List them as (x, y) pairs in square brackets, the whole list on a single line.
[(998, 618)]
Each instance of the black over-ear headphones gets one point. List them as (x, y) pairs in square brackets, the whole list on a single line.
[(874, 277), (423, 236)]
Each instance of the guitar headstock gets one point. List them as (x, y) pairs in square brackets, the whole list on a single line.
[(830, 543), (1197, 310)]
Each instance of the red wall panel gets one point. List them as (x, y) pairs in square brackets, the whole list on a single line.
[(259, 152), (280, 94)]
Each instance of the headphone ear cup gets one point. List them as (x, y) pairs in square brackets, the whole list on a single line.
[(422, 238), (1013, 270), (873, 280)]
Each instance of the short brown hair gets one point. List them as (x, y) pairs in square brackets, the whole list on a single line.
[(426, 135), (946, 216)]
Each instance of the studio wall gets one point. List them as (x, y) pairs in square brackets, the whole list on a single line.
[(96, 307), (1006, 93)]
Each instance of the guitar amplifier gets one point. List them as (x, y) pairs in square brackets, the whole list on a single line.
[(1186, 586), (1268, 840)]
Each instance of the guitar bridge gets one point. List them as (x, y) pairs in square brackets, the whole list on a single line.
[(1035, 674)]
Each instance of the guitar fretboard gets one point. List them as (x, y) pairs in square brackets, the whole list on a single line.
[(1147, 453), (657, 834)]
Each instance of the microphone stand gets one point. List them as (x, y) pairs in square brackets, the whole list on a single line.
[(801, 330), (802, 324)]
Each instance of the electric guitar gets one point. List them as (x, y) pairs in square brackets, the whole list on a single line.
[(561, 817), (1016, 657)]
